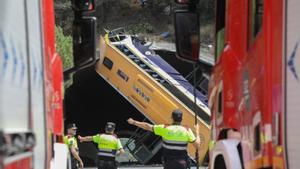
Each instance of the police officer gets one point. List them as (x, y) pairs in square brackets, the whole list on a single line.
[(175, 140), (71, 141), (108, 146)]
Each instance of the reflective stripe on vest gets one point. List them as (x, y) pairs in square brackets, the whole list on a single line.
[(106, 152), (174, 145), (107, 145)]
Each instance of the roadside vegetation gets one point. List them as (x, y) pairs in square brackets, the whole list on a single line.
[(152, 20), (64, 47)]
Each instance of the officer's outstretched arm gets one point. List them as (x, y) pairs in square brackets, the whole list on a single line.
[(143, 125), (86, 138)]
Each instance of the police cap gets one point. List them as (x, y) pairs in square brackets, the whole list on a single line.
[(177, 115), (71, 125)]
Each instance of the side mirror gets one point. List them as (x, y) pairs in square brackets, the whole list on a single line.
[(83, 5), (84, 41), (187, 35)]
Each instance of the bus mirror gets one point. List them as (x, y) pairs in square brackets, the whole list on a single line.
[(84, 41), (83, 5), (187, 35)]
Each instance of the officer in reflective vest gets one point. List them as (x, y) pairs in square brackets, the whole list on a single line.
[(108, 146), (175, 140), (71, 141)]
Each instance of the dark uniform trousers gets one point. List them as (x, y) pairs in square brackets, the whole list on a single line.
[(106, 164), (176, 164)]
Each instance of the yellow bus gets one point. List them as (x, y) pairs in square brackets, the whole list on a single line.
[(151, 85)]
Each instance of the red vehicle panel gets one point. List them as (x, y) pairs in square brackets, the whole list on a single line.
[(247, 84)]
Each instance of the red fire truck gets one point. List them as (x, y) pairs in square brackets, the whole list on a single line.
[(254, 89), (31, 80)]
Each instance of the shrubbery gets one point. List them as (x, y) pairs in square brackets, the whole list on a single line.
[(64, 47)]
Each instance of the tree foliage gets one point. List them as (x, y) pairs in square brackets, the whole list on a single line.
[(64, 47), (157, 6)]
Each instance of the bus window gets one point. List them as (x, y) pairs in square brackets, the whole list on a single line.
[(220, 27)]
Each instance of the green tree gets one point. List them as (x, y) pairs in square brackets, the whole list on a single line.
[(64, 47)]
